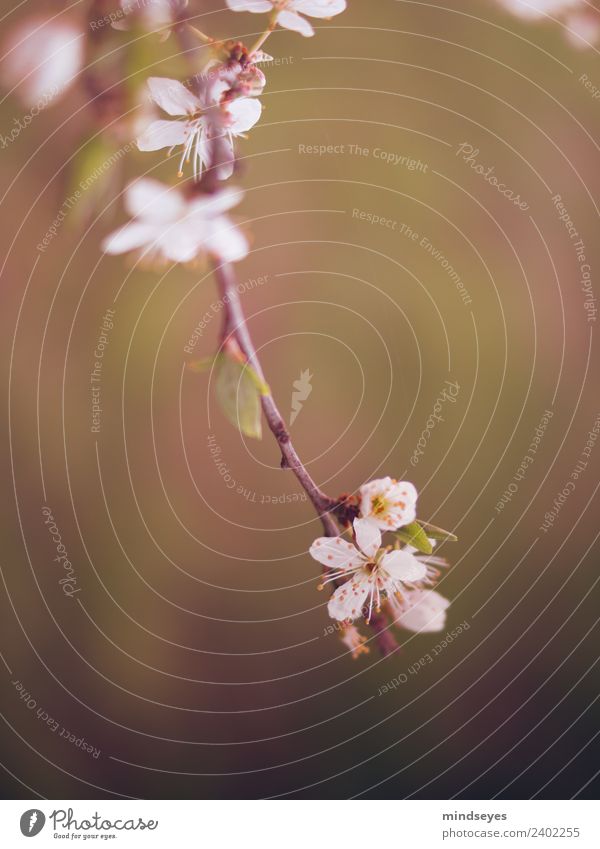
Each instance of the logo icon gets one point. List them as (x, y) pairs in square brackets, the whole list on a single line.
[(302, 389), (32, 822)]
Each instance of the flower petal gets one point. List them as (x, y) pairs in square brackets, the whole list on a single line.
[(161, 134), (347, 601), (172, 96), (250, 5), (368, 536), (336, 553), (133, 235), (225, 241), (244, 113), (403, 566), (319, 8), (424, 611), (213, 205), (290, 20), (153, 201)]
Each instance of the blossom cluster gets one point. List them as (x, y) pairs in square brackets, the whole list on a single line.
[(368, 574)]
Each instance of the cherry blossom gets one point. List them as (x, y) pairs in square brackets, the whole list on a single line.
[(288, 13), (193, 130), (423, 611), (168, 226), (388, 504), (42, 57), (371, 571)]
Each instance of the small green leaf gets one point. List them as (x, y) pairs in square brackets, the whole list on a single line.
[(437, 533), (239, 396), (414, 535)]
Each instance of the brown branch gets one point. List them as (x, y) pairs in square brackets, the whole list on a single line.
[(236, 328)]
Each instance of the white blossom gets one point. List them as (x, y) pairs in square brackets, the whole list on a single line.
[(42, 57), (388, 504), (192, 127), (289, 12), (167, 226), (371, 571)]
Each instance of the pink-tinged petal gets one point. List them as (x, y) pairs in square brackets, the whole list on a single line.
[(290, 20), (153, 201), (403, 566), (180, 244), (319, 8), (244, 113), (161, 134), (213, 205), (336, 553), (127, 238), (172, 96), (42, 58), (368, 536), (225, 242), (348, 600), (424, 611), (250, 5)]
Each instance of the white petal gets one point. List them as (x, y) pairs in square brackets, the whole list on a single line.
[(161, 134), (347, 601), (403, 566), (225, 241), (42, 58), (368, 536), (425, 611), (250, 5), (319, 8), (217, 203), (153, 201), (290, 20), (244, 113), (127, 238), (336, 553), (180, 244), (172, 96)]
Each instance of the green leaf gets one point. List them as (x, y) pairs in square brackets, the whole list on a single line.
[(437, 533), (414, 535), (239, 396)]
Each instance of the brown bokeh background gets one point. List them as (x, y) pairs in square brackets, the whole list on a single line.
[(195, 655)]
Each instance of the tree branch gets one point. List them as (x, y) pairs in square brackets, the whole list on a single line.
[(236, 328)]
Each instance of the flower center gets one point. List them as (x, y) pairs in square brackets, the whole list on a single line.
[(378, 505)]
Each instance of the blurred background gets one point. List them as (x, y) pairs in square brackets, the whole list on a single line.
[(191, 652)]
